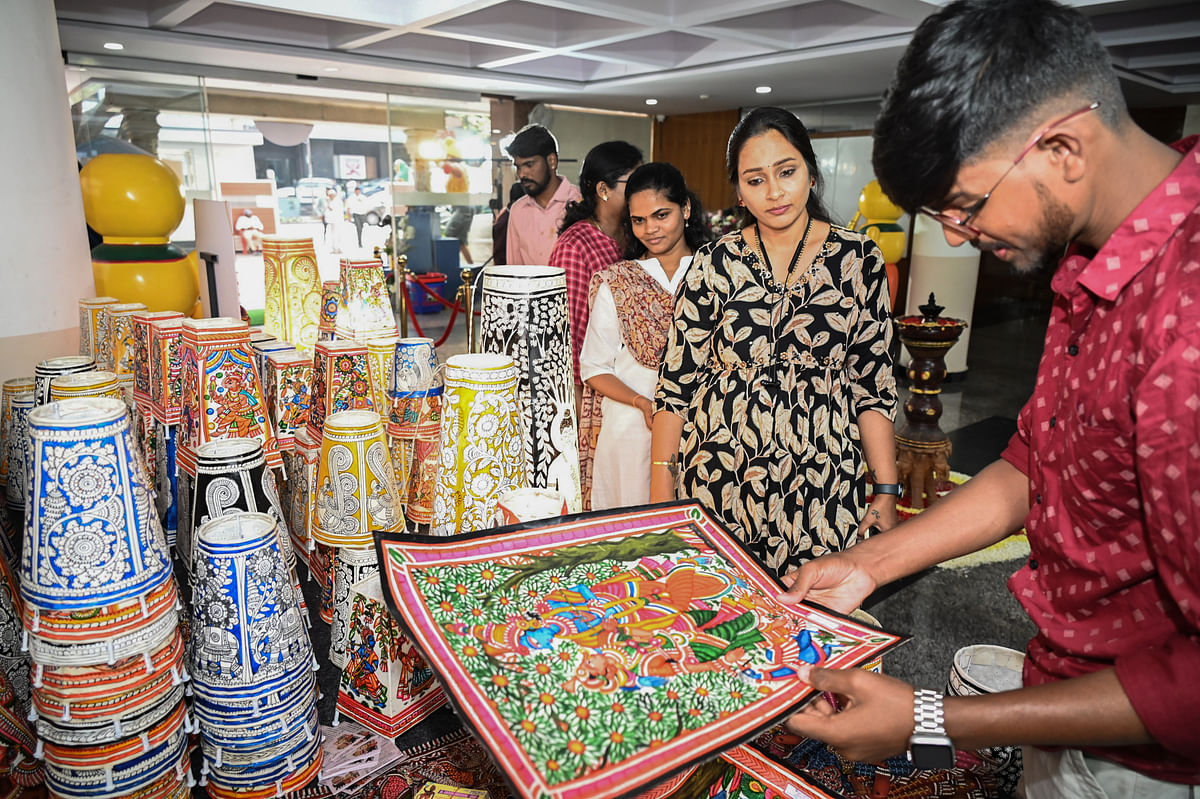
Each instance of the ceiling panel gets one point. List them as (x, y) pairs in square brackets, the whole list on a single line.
[(440, 50), (254, 24), (690, 55), (535, 25), (811, 24)]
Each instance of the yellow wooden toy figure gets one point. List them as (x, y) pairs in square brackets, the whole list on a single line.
[(880, 221), (134, 202)]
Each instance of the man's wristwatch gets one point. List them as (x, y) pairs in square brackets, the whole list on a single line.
[(888, 488), (929, 747)]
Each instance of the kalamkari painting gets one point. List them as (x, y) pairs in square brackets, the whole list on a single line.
[(596, 655)]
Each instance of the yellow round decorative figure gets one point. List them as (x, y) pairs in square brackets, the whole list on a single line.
[(880, 217), (134, 202)]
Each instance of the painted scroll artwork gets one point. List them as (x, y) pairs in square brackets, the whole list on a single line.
[(596, 656)]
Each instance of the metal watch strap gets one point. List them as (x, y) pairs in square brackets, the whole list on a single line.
[(928, 715), (888, 488)]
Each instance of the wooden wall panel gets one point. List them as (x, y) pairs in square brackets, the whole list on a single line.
[(695, 143)]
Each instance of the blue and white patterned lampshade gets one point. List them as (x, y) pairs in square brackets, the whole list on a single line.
[(92, 536)]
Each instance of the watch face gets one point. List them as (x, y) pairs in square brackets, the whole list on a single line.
[(932, 755)]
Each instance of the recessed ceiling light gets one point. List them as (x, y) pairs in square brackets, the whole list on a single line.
[(331, 69), (651, 101), (704, 97), (762, 89), (113, 46)]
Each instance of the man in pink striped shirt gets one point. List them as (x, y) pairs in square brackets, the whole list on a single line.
[(533, 220)]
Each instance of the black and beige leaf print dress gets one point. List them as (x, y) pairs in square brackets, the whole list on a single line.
[(770, 383)]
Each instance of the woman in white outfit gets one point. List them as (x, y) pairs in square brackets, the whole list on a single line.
[(632, 305)]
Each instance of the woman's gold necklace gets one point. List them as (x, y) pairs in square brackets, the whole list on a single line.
[(771, 380), (766, 261)]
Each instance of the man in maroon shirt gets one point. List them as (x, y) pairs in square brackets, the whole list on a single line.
[(1006, 124)]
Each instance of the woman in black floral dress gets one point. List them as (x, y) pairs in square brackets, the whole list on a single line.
[(776, 393)]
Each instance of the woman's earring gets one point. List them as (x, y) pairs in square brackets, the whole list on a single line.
[(604, 197), (812, 184), (741, 202)]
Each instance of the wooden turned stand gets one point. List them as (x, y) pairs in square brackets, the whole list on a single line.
[(923, 450)]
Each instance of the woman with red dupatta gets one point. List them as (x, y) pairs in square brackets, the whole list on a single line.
[(632, 304)]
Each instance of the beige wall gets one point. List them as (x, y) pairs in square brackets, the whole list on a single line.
[(45, 266), (579, 131)]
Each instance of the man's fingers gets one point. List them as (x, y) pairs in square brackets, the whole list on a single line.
[(811, 723), (818, 707), (836, 681), (802, 580)]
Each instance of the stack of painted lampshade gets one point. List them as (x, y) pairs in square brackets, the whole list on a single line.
[(341, 382), (51, 368), (525, 317), (221, 397), (16, 447), (288, 386), (262, 349), (119, 347), (356, 494), (414, 425), (364, 310), (11, 388), (96, 383), (252, 662), (89, 322), (146, 427), (166, 341), (100, 609), (330, 289), (231, 477)]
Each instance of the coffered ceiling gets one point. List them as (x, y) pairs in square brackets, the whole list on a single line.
[(689, 55)]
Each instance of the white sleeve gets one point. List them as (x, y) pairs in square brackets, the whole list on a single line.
[(602, 342)]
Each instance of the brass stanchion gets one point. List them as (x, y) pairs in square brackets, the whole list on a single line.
[(400, 273), (468, 295)]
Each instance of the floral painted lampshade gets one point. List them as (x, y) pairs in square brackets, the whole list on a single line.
[(481, 452)]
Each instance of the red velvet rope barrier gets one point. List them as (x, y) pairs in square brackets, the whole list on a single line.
[(412, 315), (453, 306)]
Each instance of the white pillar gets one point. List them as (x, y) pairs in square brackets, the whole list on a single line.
[(45, 265), (951, 274)]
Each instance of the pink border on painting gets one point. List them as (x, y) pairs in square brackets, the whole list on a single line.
[(773, 775)]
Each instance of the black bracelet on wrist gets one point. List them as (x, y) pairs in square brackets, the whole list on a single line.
[(888, 488)]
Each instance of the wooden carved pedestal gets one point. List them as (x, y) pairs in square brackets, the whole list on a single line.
[(922, 448)]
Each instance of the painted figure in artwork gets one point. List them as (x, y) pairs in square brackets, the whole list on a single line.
[(362, 670), (295, 406), (660, 618), (415, 674), (189, 422), (236, 408)]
